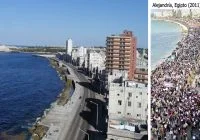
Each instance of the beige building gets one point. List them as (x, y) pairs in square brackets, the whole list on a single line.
[(127, 108)]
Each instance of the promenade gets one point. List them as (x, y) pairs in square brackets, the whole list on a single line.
[(60, 118), (77, 118)]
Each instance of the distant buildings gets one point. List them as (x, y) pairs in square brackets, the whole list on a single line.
[(68, 57), (4, 48), (121, 53), (96, 61), (92, 59), (183, 13), (79, 56)]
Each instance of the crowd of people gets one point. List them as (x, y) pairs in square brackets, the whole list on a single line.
[(175, 100)]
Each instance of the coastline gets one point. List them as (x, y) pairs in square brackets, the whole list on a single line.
[(61, 99), (184, 31), (38, 131), (183, 27)]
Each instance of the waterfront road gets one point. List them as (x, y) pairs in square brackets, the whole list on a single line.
[(85, 123)]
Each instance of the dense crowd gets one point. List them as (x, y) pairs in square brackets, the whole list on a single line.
[(175, 103)]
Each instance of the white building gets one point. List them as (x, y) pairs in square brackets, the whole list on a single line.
[(69, 47), (127, 109), (4, 48), (82, 51), (80, 56), (128, 99), (96, 60)]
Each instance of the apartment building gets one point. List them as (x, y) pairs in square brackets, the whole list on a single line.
[(121, 53)]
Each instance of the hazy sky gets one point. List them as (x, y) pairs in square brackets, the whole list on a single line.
[(87, 22)]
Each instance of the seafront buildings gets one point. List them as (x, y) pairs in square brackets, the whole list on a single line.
[(90, 58), (68, 53), (121, 53), (123, 68), (127, 87), (183, 13)]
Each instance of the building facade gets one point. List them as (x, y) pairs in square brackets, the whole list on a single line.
[(127, 109), (96, 60), (69, 47), (128, 99), (121, 53), (141, 72)]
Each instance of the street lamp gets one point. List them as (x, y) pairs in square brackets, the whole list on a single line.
[(97, 113), (84, 133)]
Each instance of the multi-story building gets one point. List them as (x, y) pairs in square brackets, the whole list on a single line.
[(79, 56), (121, 53), (69, 47), (127, 109), (96, 60)]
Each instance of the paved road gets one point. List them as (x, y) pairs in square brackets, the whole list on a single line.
[(79, 122), (84, 111)]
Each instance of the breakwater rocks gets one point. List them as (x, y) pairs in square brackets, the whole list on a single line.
[(38, 130)]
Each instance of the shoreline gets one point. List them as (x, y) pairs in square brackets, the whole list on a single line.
[(38, 131), (183, 27), (184, 31), (61, 99)]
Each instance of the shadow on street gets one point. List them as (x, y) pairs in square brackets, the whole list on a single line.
[(88, 86), (91, 116)]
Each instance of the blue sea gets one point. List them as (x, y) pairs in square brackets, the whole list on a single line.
[(164, 37), (28, 85)]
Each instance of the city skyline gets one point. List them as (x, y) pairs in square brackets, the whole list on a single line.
[(88, 24)]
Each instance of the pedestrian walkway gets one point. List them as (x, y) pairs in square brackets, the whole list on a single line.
[(59, 118)]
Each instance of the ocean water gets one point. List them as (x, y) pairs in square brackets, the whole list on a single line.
[(164, 37), (28, 85)]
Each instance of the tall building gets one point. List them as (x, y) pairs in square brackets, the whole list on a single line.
[(69, 47), (121, 53)]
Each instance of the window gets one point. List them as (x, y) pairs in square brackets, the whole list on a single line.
[(136, 96), (136, 85), (129, 94), (118, 94), (140, 93), (139, 105), (118, 112), (119, 102), (129, 103), (128, 113), (138, 115), (146, 85)]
